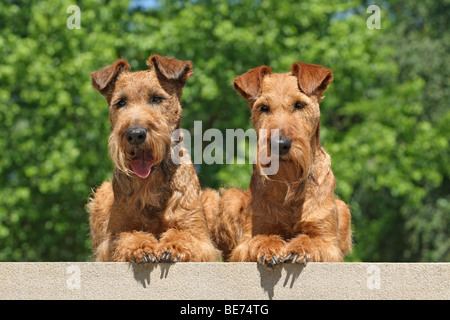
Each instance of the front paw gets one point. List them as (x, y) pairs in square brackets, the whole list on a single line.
[(176, 245), (300, 251), (173, 252), (267, 250), (135, 246)]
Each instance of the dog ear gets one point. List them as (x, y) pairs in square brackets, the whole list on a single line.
[(312, 79), (248, 85), (104, 79), (171, 68)]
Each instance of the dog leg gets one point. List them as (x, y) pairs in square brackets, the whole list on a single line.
[(135, 246), (345, 232), (318, 239), (265, 249), (180, 245)]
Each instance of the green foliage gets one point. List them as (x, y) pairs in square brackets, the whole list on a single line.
[(385, 117)]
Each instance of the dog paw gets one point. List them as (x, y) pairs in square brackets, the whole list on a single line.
[(271, 261), (301, 258), (137, 255), (144, 258), (173, 253), (300, 250), (267, 250), (137, 247)]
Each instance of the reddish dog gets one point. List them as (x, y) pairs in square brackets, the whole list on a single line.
[(292, 215), (151, 211)]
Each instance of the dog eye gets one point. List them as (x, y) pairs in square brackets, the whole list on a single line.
[(156, 99), (121, 103), (299, 105), (264, 108)]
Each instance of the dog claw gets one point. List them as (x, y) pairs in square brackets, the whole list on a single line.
[(144, 258), (274, 260), (167, 257), (288, 257), (295, 258)]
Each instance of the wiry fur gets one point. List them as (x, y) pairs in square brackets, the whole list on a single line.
[(292, 215), (146, 219)]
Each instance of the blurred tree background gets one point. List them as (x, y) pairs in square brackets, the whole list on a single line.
[(385, 117)]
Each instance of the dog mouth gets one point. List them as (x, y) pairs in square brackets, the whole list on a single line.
[(142, 163)]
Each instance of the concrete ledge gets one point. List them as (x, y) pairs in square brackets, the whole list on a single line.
[(223, 281)]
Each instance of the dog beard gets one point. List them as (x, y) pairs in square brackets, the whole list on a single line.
[(135, 166), (292, 168), (139, 161)]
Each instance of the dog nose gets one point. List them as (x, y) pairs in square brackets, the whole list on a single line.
[(136, 136), (284, 145)]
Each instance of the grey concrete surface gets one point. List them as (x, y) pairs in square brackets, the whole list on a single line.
[(223, 281)]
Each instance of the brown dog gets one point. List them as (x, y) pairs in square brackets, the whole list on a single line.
[(292, 215), (151, 211)]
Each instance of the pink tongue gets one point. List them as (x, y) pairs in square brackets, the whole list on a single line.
[(142, 163)]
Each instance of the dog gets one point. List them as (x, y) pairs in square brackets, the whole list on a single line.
[(151, 210), (292, 215)]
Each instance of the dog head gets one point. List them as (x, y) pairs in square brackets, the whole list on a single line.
[(285, 113), (144, 110)]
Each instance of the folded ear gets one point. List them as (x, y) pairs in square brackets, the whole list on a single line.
[(249, 84), (171, 68), (104, 79), (312, 79)]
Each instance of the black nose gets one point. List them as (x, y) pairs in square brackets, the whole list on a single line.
[(135, 135), (284, 145)]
